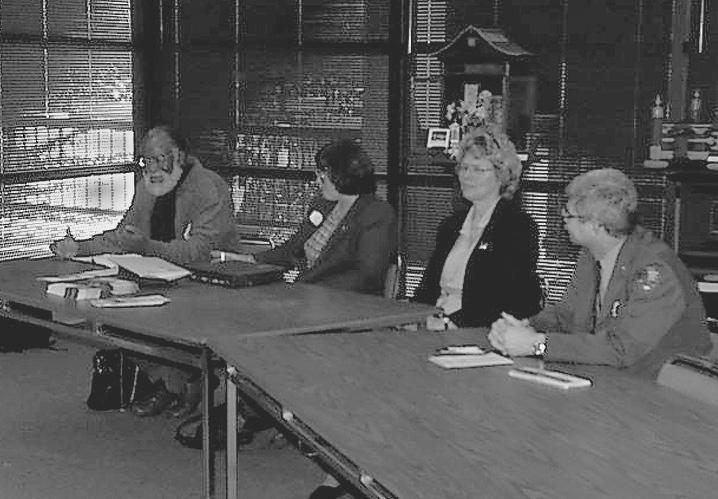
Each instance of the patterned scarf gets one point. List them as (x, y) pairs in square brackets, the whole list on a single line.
[(315, 244)]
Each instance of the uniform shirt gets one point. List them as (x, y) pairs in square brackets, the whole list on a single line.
[(608, 262), (652, 311)]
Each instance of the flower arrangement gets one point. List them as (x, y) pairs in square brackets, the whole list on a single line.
[(463, 117)]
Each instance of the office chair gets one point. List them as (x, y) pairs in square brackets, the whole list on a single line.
[(392, 281)]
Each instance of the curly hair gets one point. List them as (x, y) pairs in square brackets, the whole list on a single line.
[(606, 196), (492, 143), (179, 140), (348, 166)]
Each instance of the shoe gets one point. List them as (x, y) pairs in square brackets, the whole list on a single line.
[(252, 425), (185, 405), (327, 492), (156, 404)]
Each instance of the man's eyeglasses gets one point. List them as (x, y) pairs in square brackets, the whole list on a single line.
[(163, 162)]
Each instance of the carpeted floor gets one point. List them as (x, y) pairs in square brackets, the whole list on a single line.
[(52, 446)]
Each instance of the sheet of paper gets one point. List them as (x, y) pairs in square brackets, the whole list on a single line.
[(150, 267), (104, 259), (131, 301), (88, 274), (476, 360)]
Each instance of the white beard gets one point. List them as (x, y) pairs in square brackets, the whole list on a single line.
[(159, 183)]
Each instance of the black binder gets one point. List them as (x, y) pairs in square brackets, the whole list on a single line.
[(235, 274)]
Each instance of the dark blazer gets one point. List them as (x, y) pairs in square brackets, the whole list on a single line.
[(651, 311), (501, 271), (358, 254)]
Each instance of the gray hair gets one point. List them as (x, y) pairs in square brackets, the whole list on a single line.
[(493, 144), (606, 196)]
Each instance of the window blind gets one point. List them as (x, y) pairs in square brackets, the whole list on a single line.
[(66, 108), (259, 87)]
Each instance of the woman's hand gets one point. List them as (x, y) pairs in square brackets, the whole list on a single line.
[(226, 256)]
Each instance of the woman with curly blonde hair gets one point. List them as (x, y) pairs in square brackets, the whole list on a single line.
[(484, 262)]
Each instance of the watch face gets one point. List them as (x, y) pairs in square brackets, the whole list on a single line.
[(540, 348)]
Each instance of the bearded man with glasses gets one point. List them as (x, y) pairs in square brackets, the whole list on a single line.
[(180, 210)]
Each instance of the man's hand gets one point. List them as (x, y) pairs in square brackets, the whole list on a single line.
[(226, 256), (514, 337), (132, 240), (66, 247)]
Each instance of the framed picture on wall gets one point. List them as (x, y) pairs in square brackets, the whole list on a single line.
[(437, 137)]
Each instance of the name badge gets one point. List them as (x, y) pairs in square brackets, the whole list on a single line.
[(316, 218)]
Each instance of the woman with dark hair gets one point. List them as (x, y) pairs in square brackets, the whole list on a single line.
[(485, 258), (348, 237)]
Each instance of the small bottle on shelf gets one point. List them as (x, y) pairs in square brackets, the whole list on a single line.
[(657, 115), (696, 107)]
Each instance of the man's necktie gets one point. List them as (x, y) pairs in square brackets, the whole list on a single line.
[(596, 296)]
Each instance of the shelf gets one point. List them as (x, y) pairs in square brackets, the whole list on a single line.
[(297, 130), (286, 173)]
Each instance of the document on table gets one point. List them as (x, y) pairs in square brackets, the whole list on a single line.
[(130, 301), (144, 267), (80, 276), (462, 356), (150, 267)]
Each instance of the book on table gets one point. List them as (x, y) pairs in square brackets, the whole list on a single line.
[(147, 268)]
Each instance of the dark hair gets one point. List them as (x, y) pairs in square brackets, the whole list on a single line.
[(349, 167), (174, 135)]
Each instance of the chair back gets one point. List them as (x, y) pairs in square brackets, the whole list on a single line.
[(392, 280)]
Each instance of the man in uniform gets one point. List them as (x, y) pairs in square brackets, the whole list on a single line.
[(631, 302)]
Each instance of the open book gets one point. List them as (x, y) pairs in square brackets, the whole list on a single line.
[(144, 267)]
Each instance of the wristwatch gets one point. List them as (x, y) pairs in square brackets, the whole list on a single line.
[(540, 348)]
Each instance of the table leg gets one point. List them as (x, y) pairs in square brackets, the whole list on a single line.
[(207, 451), (231, 435)]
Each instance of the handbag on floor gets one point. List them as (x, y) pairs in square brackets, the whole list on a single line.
[(116, 381)]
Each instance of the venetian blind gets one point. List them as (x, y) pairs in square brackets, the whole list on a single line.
[(260, 86), (66, 109)]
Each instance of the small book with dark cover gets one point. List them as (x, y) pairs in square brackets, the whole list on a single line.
[(235, 274)]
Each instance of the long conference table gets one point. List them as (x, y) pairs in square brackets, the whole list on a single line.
[(395, 425), (198, 314)]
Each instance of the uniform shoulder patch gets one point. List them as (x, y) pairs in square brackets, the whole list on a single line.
[(650, 276)]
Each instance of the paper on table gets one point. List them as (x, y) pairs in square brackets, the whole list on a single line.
[(459, 361), (79, 276), (131, 301), (104, 259), (149, 267)]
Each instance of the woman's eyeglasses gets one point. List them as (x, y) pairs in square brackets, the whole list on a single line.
[(163, 162), (475, 170), (320, 175), (567, 215)]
